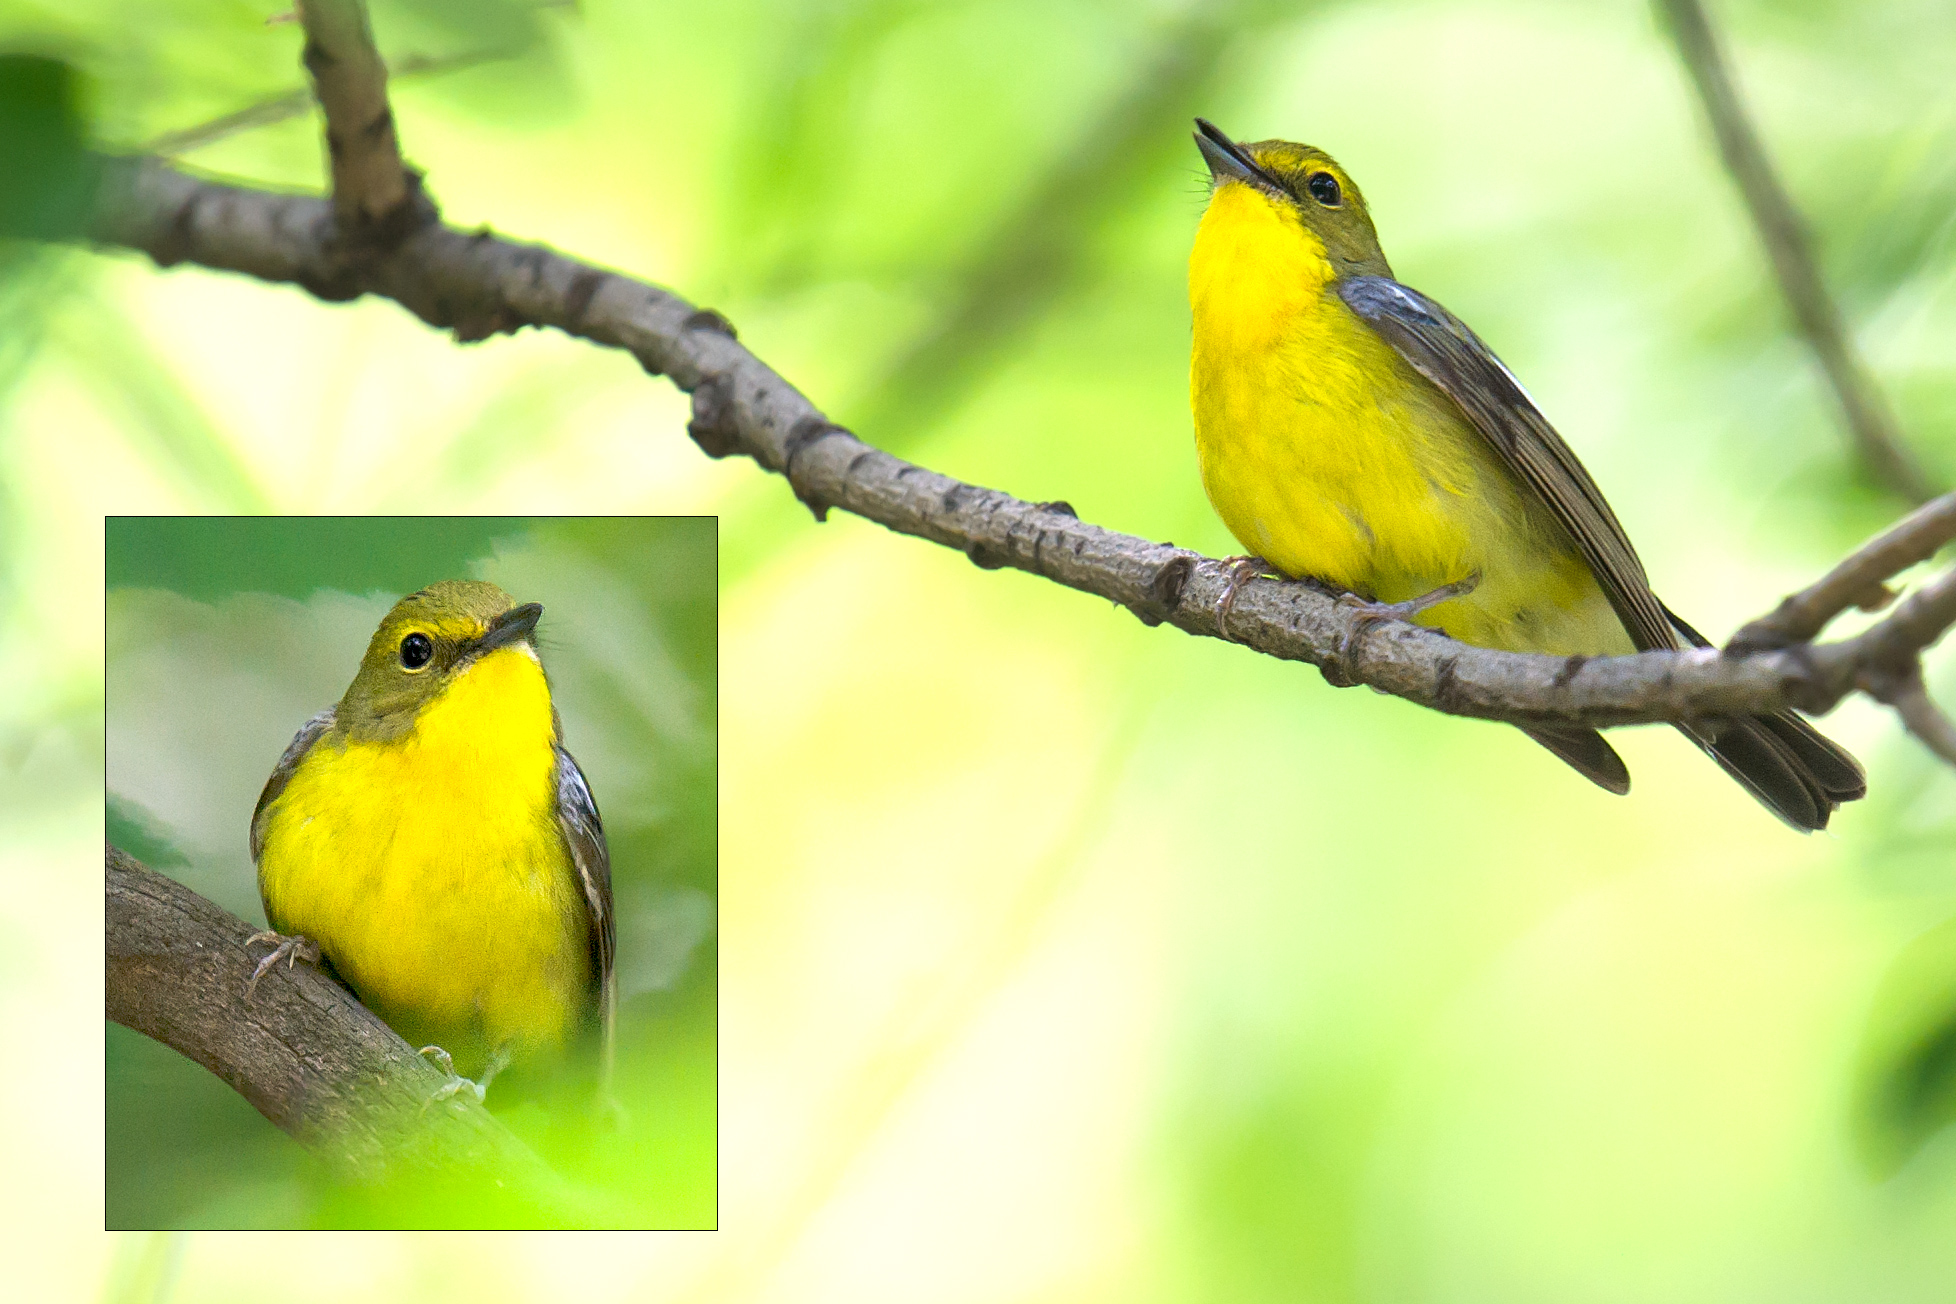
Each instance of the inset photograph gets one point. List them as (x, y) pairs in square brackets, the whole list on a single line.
[(412, 872)]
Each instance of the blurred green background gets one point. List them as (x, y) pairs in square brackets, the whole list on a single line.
[(1063, 958), (226, 633)]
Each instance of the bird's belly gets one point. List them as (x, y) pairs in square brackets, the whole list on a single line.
[(1316, 470), (1384, 489), (435, 880)]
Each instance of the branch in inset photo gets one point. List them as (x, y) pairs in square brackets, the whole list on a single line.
[(300, 1048)]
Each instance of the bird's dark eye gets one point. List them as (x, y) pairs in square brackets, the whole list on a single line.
[(1324, 189), (415, 651)]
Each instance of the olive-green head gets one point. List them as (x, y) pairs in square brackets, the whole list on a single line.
[(427, 640), (1308, 182)]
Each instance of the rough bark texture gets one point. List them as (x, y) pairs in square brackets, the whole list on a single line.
[(301, 1049), (477, 284), (372, 188)]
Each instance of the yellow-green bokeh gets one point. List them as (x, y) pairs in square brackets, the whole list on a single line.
[(1065, 959)]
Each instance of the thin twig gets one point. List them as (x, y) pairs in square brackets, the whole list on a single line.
[(1904, 690), (297, 103), (1900, 637), (1856, 582), (273, 109), (1869, 420), (477, 284), (371, 185)]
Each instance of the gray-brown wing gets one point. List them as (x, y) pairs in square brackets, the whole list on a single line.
[(577, 816), (295, 751), (1441, 348)]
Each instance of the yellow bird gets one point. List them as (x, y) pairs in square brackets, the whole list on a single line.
[(434, 841), (1352, 429)]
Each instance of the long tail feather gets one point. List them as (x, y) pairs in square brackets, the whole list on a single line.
[(1588, 754)]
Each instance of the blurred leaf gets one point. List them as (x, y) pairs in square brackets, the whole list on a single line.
[(506, 23), (185, 1150), (801, 117), (498, 437), (145, 1269), (298, 556), (525, 83), (1908, 1058), (51, 178)]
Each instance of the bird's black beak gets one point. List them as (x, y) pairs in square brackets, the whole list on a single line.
[(1227, 160), (513, 626)]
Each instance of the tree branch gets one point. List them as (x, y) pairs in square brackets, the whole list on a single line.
[(1920, 619), (1869, 421), (372, 188), (1857, 581), (477, 284), (302, 1050), (1904, 690)]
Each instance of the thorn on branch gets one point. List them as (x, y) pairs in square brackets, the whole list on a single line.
[(1446, 689), (316, 57), (1165, 589), (809, 430), (180, 235), (1877, 598), (477, 327), (983, 555), (577, 300), (707, 319), (713, 427)]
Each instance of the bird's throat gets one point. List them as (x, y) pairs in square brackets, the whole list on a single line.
[(1255, 270)]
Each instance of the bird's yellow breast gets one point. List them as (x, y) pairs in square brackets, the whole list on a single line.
[(431, 870), (1326, 454)]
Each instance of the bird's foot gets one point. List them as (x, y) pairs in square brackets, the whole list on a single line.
[(1371, 613), (457, 1084), (288, 949), (610, 1112), (1241, 571)]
